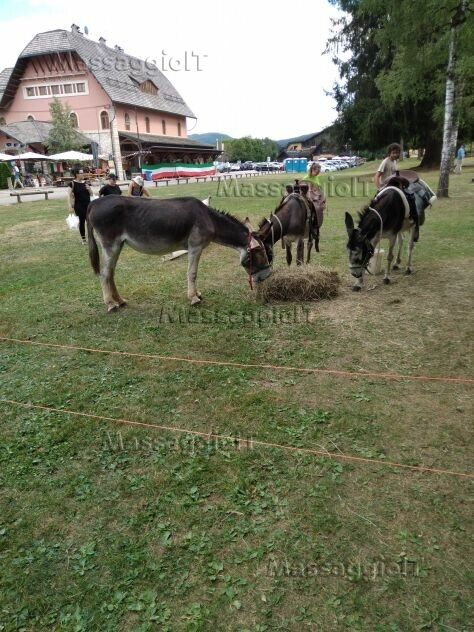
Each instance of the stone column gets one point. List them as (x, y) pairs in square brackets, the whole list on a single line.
[(116, 149)]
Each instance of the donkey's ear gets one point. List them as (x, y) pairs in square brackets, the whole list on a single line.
[(349, 223), (248, 224)]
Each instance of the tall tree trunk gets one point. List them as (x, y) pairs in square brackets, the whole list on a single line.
[(452, 145), (432, 153), (443, 184)]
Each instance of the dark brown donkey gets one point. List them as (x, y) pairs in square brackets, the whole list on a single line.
[(158, 227), (292, 220)]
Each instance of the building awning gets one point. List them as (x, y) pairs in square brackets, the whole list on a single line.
[(149, 142)]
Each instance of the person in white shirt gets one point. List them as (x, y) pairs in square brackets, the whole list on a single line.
[(388, 166)]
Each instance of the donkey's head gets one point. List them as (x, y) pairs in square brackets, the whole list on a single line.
[(257, 258), (256, 244), (359, 248)]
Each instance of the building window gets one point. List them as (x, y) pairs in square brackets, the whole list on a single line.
[(58, 89), (2, 121), (74, 121), (127, 121), (163, 126), (148, 87), (179, 128), (147, 124), (30, 118), (104, 120)]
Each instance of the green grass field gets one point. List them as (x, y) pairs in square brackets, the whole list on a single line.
[(109, 526)]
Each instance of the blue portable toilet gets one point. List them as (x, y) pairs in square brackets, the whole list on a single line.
[(302, 165), (289, 164)]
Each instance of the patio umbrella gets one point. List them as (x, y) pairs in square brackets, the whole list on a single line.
[(7, 157), (72, 155), (30, 155)]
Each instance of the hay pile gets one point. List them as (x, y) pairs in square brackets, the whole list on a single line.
[(303, 283)]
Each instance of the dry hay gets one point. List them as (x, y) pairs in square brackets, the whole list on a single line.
[(299, 284)]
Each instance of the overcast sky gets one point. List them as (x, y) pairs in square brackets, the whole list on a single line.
[(262, 71)]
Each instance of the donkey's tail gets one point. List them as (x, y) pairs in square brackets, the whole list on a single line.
[(93, 250)]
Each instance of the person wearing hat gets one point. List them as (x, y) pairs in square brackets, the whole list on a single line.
[(111, 188), (136, 188)]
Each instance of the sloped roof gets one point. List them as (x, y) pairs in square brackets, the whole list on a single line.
[(5, 75), (31, 132), (301, 139), (167, 141), (118, 73)]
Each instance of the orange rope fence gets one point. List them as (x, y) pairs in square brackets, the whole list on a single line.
[(266, 444), (154, 356)]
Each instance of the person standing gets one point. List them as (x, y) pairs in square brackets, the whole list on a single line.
[(459, 158), (111, 188), (79, 197), (388, 166), (315, 193), (16, 176), (136, 188)]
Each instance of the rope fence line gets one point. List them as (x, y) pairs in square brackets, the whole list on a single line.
[(265, 444), (154, 356)]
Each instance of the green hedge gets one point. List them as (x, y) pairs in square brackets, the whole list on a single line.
[(4, 174)]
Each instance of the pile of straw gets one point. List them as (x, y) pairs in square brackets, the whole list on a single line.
[(302, 283)]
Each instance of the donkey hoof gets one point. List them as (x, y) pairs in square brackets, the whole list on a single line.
[(408, 271), (195, 301), (386, 281), (123, 303), (199, 295), (396, 267), (356, 288), (112, 308)]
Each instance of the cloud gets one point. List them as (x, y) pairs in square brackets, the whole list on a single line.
[(262, 69)]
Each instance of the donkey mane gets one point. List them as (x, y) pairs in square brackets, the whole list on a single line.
[(386, 199), (225, 215)]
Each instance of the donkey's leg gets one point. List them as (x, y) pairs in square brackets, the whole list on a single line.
[(289, 258), (115, 295), (411, 245), (300, 251), (310, 246), (109, 261), (396, 265), (391, 246), (194, 254)]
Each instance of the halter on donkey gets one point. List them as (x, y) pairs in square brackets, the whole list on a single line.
[(388, 215), (155, 226)]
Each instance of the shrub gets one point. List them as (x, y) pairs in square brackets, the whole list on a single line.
[(4, 174)]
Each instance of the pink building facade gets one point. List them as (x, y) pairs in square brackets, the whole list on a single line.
[(128, 108)]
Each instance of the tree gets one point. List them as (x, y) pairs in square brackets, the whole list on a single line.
[(394, 78), (453, 91), (248, 148), (62, 135)]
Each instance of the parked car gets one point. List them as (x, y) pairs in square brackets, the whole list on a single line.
[(247, 165)]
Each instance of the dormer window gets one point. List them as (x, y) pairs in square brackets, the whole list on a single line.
[(148, 87)]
